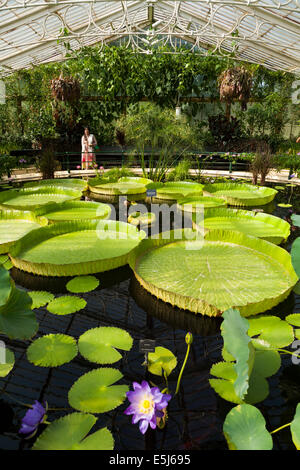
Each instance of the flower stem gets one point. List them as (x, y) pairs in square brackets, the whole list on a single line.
[(281, 427), (182, 368)]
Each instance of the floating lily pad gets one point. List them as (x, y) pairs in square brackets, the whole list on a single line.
[(95, 391), (66, 304), (196, 203), (70, 433), (257, 224), (40, 298), (74, 210), (295, 253), (99, 344), (7, 361), (270, 332), (161, 361), (241, 194), (69, 183), (135, 179), (76, 248), (52, 350), (279, 188), (296, 220), (81, 284), (15, 224), (31, 198), (208, 276), (293, 319), (285, 205), (173, 191), (119, 188), (245, 429), (295, 428), (5, 286)]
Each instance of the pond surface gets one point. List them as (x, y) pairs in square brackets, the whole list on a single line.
[(196, 416)]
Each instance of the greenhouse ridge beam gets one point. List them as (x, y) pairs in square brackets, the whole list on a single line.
[(261, 31)]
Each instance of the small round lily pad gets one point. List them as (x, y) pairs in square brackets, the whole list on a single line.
[(284, 205), (52, 350), (66, 304), (81, 284), (40, 298)]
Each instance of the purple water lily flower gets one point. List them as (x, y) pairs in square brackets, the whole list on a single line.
[(33, 417), (146, 404)]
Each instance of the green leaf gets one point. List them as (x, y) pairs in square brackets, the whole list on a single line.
[(17, 320), (40, 298), (52, 350), (245, 429), (285, 205), (272, 332), (295, 428), (8, 361), (266, 363), (241, 194), (224, 384), (69, 433), (95, 391), (293, 319), (66, 304), (162, 360), (98, 344), (295, 254), (297, 288), (81, 284), (237, 343), (5, 286), (296, 220)]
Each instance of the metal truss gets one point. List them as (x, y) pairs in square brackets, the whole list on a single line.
[(260, 31)]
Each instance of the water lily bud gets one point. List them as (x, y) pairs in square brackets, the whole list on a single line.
[(189, 338)]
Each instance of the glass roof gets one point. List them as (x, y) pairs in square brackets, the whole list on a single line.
[(260, 31)]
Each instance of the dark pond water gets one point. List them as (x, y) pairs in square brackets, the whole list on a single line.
[(196, 415)]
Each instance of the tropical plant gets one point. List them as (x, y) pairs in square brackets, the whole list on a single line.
[(158, 138), (47, 164), (235, 83)]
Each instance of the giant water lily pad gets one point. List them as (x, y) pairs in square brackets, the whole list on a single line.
[(40, 298), (52, 350), (70, 433), (135, 179), (172, 191), (197, 203), (81, 284), (141, 218), (95, 391), (257, 224), (74, 210), (66, 304), (31, 198), (68, 183), (119, 188), (237, 194), (225, 269), (100, 344), (15, 224), (76, 248)]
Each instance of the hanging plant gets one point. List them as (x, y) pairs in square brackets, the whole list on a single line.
[(235, 83), (65, 89)]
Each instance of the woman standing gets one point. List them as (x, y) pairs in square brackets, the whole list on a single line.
[(88, 142)]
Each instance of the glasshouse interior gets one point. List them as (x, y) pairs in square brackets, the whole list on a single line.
[(133, 133)]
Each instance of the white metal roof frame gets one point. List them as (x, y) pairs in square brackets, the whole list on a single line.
[(260, 31)]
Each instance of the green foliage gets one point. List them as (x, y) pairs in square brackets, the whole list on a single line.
[(81, 284), (295, 428), (237, 343), (161, 362), (70, 433), (40, 298), (96, 392), (66, 304), (52, 350), (245, 429), (99, 344)]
